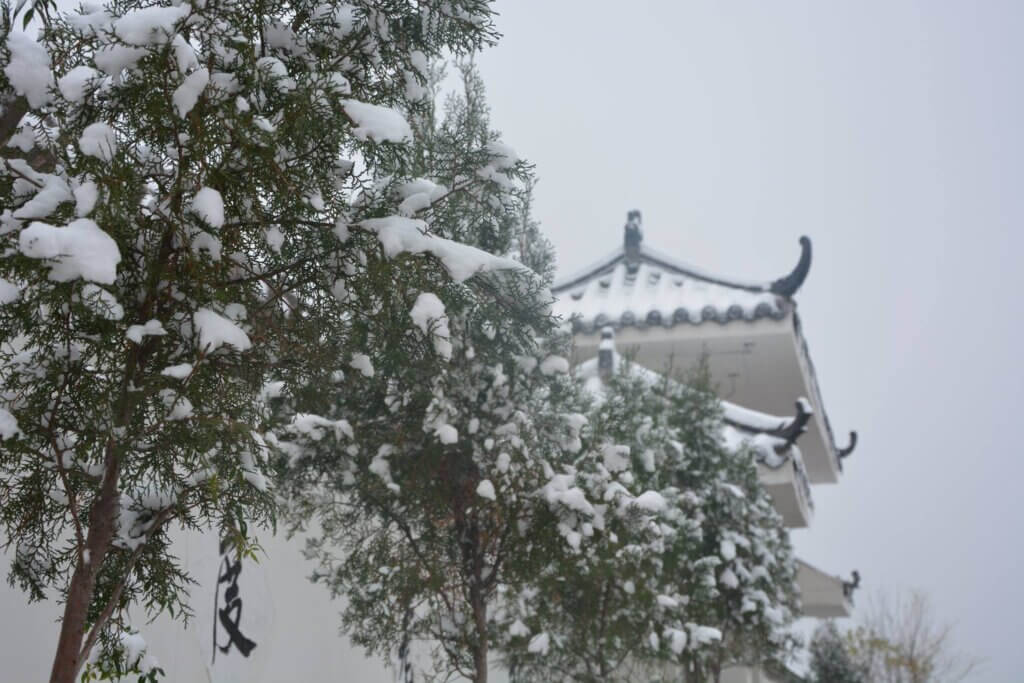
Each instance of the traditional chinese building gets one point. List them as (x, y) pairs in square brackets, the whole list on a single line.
[(670, 316)]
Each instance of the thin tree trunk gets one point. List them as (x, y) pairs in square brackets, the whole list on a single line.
[(68, 660), (102, 525), (602, 660), (480, 619)]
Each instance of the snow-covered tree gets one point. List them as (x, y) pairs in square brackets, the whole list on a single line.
[(608, 603), (743, 582), (679, 566), (427, 518), (423, 515), (492, 206), (195, 199), (831, 660)]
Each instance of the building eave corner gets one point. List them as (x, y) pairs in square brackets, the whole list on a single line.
[(787, 286)]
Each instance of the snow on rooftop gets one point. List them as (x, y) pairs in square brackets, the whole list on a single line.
[(637, 285), (646, 293)]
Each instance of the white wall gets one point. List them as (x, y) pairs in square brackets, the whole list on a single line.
[(293, 623)]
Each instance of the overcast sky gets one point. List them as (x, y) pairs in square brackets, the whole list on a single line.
[(890, 133)]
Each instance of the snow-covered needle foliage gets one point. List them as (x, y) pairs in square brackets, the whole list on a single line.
[(428, 514), (679, 565), (425, 513), (831, 658), (744, 580), (198, 198)]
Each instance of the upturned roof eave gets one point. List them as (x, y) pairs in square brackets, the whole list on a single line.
[(785, 286)]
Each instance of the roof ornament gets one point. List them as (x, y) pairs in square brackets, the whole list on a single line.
[(792, 431), (845, 452), (852, 585), (606, 353), (788, 285), (633, 235)]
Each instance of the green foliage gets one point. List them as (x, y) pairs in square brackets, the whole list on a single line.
[(746, 584), (684, 567), (398, 523), (489, 187), (200, 313), (832, 660), (119, 658), (125, 417)]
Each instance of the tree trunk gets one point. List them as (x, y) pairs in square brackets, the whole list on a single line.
[(480, 619), (67, 662)]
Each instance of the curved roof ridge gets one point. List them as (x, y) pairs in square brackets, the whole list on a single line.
[(680, 268), (634, 251), (585, 273)]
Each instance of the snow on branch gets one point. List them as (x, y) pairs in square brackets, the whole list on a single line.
[(377, 123), (215, 330), (398, 235), (79, 250)]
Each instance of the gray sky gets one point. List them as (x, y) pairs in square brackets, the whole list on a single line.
[(889, 132)]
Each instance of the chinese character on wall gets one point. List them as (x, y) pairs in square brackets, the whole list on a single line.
[(227, 607)]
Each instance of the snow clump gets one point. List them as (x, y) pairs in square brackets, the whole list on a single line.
[(539, 644), (209, 205), (101, 302), (8, 425), (98, 140), (554, 365), (380, 124), (152, 328), (78, 250), (428, 314), (152, 25), (362, 363), (485, 489), (9, 292), (85, 195), (215, 330), (187, 94), (398, 235), (29, 69)]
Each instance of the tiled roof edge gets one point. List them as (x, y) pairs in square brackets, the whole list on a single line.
[(785, 286)]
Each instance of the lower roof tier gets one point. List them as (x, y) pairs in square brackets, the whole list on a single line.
[(762, 365)]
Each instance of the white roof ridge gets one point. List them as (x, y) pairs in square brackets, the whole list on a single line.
[(693, 271), (586, 272), (636, 252)]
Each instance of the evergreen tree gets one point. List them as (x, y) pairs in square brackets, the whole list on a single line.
[(831, 661), (608, 602), (196, 199), (743, 577), (425, 513), (682, 568)]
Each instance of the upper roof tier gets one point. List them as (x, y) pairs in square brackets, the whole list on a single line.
[(637, 285)]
